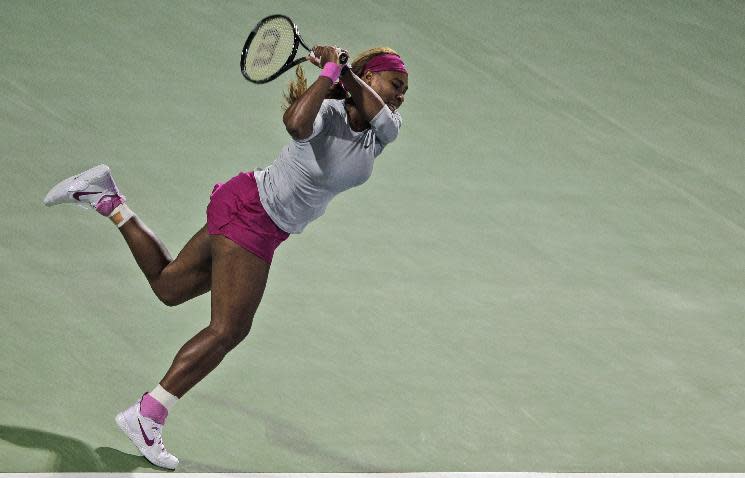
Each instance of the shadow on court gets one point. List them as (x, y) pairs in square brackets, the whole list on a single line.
[(72, 455), (285, 434)]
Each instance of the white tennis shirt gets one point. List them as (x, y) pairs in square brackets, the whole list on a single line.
[(298, 186)]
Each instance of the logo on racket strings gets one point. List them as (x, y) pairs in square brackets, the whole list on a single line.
[(267, 47)]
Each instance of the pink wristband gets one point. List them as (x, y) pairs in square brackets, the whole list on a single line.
[(331, 71)]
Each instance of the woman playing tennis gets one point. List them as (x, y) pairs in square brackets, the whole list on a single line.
[(334, 143)]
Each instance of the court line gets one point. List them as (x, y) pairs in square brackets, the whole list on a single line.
[(380, 475), (32, 100)]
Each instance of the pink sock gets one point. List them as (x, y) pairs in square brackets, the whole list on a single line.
[(107, 204), (153, 409)]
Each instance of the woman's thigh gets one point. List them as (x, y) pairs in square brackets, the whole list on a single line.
[(190, 274), (238, 282)]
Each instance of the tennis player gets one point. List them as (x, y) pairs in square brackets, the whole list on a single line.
[(334, 143)]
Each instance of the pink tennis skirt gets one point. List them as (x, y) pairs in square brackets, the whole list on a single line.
[(235, 211)]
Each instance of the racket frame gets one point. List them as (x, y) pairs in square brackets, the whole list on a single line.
[(289, 63)]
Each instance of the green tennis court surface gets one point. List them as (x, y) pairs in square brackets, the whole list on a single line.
[(546, 271)]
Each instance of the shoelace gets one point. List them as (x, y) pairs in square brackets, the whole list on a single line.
[(158, 437)]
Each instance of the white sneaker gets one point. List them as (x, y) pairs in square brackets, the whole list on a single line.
[(86, 189), (145, 434)]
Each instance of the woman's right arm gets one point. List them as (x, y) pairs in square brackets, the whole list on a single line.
[(300, 116)]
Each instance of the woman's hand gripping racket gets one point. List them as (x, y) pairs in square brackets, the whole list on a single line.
[(271, 47)]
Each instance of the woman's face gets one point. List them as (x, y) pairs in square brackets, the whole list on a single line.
[(390, 85)]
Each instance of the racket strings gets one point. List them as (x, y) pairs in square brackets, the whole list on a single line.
[(272, 46)]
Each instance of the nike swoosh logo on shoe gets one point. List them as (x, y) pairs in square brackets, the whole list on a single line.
[(77, 195), (148, 441)]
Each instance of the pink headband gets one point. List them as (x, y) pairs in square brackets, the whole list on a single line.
[(385, 62)]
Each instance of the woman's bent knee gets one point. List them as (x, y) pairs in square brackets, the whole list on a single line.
[(168, 297), (230, 337)]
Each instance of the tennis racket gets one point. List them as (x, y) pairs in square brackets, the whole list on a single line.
[(271, 47)]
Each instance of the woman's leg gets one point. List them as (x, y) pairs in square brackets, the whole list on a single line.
[(238, 282), (173, 281)]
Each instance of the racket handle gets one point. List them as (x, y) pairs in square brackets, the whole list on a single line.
[(343, 56)]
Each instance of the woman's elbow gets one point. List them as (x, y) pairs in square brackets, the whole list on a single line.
[(292, 125), (297, 131)]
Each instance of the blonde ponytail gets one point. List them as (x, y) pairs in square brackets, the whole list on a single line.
[(296, 87)]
